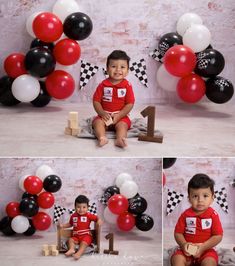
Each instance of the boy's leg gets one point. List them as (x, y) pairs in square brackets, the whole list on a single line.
[(82, 246), (121, 134), (99, 128), (179, 260), (208, 262), (71, 250)]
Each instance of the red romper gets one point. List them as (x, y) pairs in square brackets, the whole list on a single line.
[(81, 227), (198, 229), (114, 97)]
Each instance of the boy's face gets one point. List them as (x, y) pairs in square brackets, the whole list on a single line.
[(201, 199), (81, 208), (117, 69)]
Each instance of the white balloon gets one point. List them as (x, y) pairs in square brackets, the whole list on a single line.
[(21, 182), (25, 88), (43, 171), (121, 178), (29, 24), (197, 37), (20, 224), (109, 216), (186, 20), (63, 8), (165, 80), (129, 189)]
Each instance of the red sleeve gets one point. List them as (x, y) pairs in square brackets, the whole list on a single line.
[(92, 217), (71, 220), (180, 225), (130, 98), (98, 93), (216, 225)]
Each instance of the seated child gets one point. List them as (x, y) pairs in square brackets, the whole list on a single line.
[(80, 221), (199, 225), (113, 100)]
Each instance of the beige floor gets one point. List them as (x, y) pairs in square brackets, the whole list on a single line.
[(203, 130), (137, 249)]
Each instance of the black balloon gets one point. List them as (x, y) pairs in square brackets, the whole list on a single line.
[(110, 191), (168, 40), (77, 26), (52, 183), (28, 207), (137, 205), (168, 162), (43, 98), (144, 222), (210, 63), (38, 43), (219, 90), (5, 226), (31, 230), (6, 96), (39, 62), (27, 195)]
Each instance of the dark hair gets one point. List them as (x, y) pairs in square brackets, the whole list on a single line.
[(201, 181), (117, 55), (81, 199)]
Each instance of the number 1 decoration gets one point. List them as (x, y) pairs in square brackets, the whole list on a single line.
[(110, 250)]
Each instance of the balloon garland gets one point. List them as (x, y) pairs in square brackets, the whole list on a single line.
[(124, 206), (25, 216), (21, 82), (188, 58)]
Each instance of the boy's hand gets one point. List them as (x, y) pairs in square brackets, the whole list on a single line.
[(115, 118), (200, 250), (100, 222), (105, 116), (184, 247)]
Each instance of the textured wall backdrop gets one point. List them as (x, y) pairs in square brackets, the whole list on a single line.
[(135, 26), (222, 170), (85, 176)]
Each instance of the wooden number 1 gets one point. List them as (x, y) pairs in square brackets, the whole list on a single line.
[(110, 250), (150, 113)]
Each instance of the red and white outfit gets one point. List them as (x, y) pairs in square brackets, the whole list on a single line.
[(114, 97), (198, 229), (81, 227)]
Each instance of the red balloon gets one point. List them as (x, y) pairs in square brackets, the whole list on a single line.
[(45, 200), (33, 184), (60, 84), (14, 65), (180, 60), (163, 179), (118, 204), (191, 88), (126, 221), (67, 52), (47, 27), (41, 221), (12, 209)]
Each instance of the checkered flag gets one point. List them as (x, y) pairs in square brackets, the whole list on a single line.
[(221, 199), (92, 208), (173, 199), (105, 73), (86, 73), (103, 200), (58, 211), (139, 69), (157, 55)]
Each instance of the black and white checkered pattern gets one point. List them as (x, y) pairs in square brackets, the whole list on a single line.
[(87, 71), (103, 200), (139, 69), (157, 55), (173, 199), (105, 73), (232, 183), (58, 211), (221, 199)]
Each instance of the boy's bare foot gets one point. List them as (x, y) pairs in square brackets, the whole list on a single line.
[(102, 141), (76, 256), (121, 142), (70, 252)]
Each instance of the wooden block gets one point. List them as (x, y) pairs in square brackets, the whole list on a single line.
[(73, 124), (75, 131), (158, 139), (55, 252), (52, 247), (46, 252), (192, 249), (109, 122), (68, 131), (45, 247), (73, 116), (111, 252)]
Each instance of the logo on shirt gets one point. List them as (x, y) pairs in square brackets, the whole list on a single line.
[(75, 219), (83, 219), (108, 93), (191, 221), (206, 223), (121, 92), (190, 230)]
